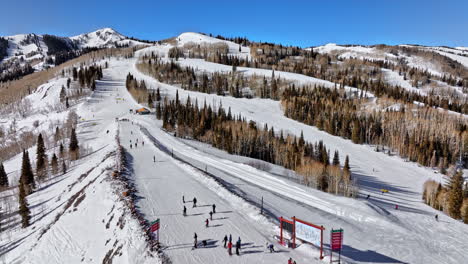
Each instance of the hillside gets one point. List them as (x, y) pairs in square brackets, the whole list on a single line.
[(232, 124)]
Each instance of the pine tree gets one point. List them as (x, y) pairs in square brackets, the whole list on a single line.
[(346, 168), (27, 176), (23, 206), (40, 158), (158, 95), (54, 164), (3, 177), (62, 94), (73, 147), (57, 136), (455, 197), (61, 152), (336, 159)]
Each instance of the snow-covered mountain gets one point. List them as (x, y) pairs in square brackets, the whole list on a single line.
[(40, 50)]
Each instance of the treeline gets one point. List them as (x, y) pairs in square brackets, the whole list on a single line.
[(362, 74), (64, 56), (46, 166), (57, 44), (14, 72), (411, 133), (340, 114), (452, 198), (87, 76), (3, 48), (235, 135), (234, 84)]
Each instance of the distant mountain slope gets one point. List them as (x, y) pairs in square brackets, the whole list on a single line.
[(40, 51)]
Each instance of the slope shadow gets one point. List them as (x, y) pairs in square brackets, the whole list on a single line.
[(367, 256)]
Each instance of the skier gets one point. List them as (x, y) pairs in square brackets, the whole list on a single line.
[(396, 206), (206, 222), (237, 248), (195, 242), (130, 145), (136, 145), (225, 239), (154, 158), (214, 209), (368, 196), (183, 199), (239, 241), (204, 243), (211, 216), (194, 202), (185, 211), (143, 143), (437, 218), (271, 247), (290, 261), (230, 238), (229, 248)]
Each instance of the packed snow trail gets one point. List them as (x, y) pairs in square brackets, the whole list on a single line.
[(162, 181)]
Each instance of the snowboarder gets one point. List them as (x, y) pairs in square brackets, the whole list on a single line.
[(214, 209), (195, 240), (154, 158), (229, 248), (211, 216), (437, 218), (271, 247), (194, 202), (225, 239), (183, 199), (206, 222), (185, 211), (237, 247)]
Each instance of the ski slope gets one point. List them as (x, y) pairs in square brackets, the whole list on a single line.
[(374, 231), (410, 234)]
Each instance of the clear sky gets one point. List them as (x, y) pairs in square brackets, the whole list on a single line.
[(303, 23)]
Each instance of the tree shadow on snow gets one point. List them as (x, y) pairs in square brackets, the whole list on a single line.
[(366, 256)]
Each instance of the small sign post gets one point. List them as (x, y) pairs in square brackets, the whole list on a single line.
[(154, 226), (336, 238)]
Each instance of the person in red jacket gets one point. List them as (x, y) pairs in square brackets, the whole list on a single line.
[(290, 261), (230, 248)]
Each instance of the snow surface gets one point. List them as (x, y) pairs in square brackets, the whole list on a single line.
[(374, 231), (405, 231)]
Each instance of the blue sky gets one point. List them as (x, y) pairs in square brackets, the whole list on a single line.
[(303, 23)]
